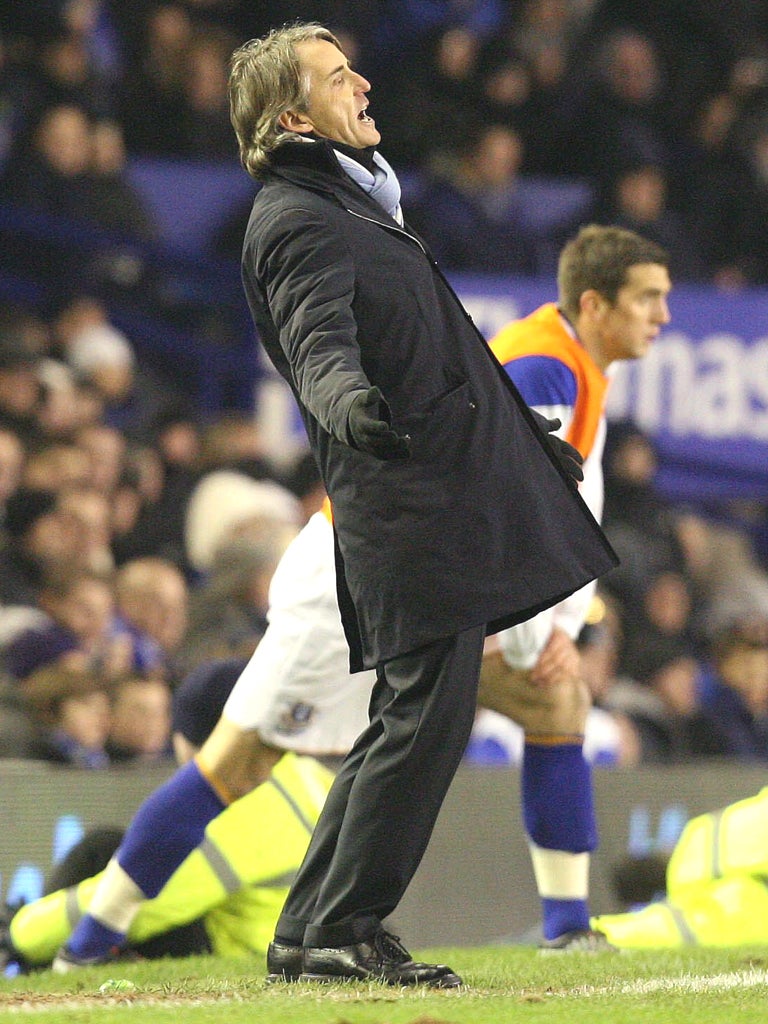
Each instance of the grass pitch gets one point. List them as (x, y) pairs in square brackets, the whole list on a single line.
[(503, 984)]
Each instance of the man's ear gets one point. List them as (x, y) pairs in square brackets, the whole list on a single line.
[(592, 302), (293, 121)]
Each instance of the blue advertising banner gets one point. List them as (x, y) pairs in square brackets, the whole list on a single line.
[(701, 393)]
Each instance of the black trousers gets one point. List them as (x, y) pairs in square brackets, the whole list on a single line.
[(382, 807)]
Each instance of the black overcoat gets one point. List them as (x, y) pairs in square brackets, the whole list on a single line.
[(480, 525)]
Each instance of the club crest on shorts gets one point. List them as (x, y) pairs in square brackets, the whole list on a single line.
[(295, 718)]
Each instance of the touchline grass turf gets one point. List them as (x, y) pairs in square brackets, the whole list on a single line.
[(503, 984)]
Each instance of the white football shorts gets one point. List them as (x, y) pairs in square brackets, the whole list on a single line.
[(297, 690)]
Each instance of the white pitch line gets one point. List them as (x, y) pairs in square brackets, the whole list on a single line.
[(682, 983)]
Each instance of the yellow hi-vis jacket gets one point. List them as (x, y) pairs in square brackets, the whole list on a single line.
[(237, 879), (717, 885)]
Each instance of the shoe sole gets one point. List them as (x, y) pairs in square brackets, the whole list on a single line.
[(447, 981)]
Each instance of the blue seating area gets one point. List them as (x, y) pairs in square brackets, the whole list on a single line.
[(181, 287), (189, 200)]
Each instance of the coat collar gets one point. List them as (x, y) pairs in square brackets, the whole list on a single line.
[(314, 166)]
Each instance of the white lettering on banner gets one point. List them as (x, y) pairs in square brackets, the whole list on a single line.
[(757, 374), (715, 388)]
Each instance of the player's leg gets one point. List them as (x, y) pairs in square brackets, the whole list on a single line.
[(296, 692), (39, 928), (556, 793), (168, 826), (236, 861)]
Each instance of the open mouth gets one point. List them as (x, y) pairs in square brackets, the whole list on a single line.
[(363, 116)]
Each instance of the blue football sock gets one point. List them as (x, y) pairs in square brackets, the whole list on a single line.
[(167, 828), (93, 939), (559, 815), (561, 916)]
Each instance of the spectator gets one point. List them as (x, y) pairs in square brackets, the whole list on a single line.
[(71, 708), (528, 78), (471, 213), (155, 82), (427, 124), (228, 610), (106, 448), (39, 540), (40, 646), (140, 720), (156, 525), (49, 172), (12, 456), (638, 201), (20, 390), (130, 392), (730, 584), (64, 73), (622, 116), (152, 610), (639, 521), (78, 631), (57, 465), (682, 33), (93, 511), (752, 248), (205, 128), (121, 208), (712, 183), (75, 314), (62, 408), (227, 504), (735, 691), (660, 613), (176, 431), (663, 704), (232, 441)]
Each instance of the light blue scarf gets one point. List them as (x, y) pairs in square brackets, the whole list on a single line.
[(382, 185)]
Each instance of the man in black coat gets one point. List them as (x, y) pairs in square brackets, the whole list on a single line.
[(455, 514)]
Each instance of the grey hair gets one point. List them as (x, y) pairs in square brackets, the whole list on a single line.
[(265, 80)]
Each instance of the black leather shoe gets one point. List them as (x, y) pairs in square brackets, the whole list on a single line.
[(284, 962), (381, 958)]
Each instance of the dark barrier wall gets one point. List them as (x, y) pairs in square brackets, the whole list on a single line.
[(475, 885)]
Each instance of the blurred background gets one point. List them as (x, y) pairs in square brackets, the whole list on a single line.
[(152, 468)]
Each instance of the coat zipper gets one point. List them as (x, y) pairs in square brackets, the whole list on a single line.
[(389, 227)]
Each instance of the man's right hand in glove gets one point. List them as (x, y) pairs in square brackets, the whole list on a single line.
[(369, 426), (570, 458)]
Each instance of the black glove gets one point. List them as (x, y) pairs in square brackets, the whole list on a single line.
[(568, 457), (370, 430)]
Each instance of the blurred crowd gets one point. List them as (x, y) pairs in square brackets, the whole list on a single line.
[(139, 534), (659, 110), (137, 540)]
